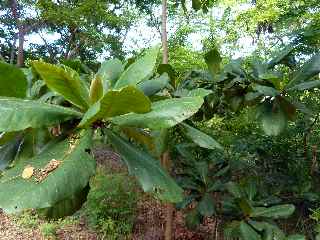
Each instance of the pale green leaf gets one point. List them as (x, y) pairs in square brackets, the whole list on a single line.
[(65, 81), (18, 114), (140, 70)]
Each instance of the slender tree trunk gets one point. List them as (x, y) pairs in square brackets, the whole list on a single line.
[(13, 49), (164, 35), (165, 158), (20, 58)]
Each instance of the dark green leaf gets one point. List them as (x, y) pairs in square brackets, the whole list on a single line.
[(247, 232), (305, 86), (206, 206), (200, 138), (71, 176), (155, 85), (147, 170), (13, 82), (280, 211)]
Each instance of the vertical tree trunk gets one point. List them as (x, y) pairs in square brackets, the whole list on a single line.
[(164, 35), (20, 58), (13, 49), (165, 158)]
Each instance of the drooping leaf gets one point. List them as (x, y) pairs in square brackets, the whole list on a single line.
[(18, 114), (167, 68), (114, 103), (305, 86), (140, 70), (213, 60), (284, 53), (13, 82), (247, 232), (273, 119), (193, 219), (164, 114), (147, 170), (72, 174), (65, 81), (234, 189), (307, 71), (206, 205), (280, 211), (200, 138), (109, 72), (155, 85)]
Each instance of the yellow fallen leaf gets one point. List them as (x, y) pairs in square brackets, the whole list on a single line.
[(27, 172)]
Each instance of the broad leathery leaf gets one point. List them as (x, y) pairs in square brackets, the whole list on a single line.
[(18, 114), (155, 85), (273, 119), (109, 72), (13, 82), (213, 60), (71, 176), (8, 152), (280, 211), (199, 92), (206, 205), (167, 68), (164, 114), (148, 171), (307, 71), (281, 56), (65, 81), (96, 89), (115, 103), (305, 85), (140, 136), (247, 232), (140, 70), (68, 206), (234, 189), (200, 138), (265, 90)]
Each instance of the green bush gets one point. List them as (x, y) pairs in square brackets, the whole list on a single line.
[(111, 205)]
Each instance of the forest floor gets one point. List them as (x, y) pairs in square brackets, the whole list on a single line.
[(148, 223)]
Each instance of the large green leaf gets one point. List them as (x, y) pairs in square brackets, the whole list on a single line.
[(265, 90), (206, 205), (247, 232), (200, 138), (96, 90), (109, 72), (147, 169), (213, 60), (284, 53), (140, 70), (114, 103), (153, 86), (70, 177), (280, 211), (18, 114), (198, 92), (65, 81), (164, 114), (13, 82), (307, 71), (273, 119)]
